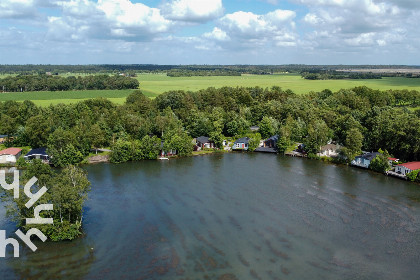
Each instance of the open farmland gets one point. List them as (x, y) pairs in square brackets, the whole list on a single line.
[(159, 83), (155, 84)]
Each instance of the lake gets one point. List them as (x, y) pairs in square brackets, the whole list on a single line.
[(235, 216)]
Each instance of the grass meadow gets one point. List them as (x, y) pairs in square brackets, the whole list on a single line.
[(155, 84)]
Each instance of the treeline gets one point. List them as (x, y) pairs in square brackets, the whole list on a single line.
[(22, 83), (358, 118), (191, 73), (333, 75), (153, 68)]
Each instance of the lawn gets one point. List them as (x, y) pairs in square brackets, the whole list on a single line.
[(155, 84)]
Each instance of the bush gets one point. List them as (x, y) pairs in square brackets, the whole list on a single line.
[(21, 162), (121, 152), (414, 176)]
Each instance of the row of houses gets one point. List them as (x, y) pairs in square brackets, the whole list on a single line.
[(399, 170), (333, 150), (11, 155)]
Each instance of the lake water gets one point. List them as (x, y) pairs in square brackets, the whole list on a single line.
[(235, 216)]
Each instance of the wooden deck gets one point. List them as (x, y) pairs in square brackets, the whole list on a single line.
[(395, 174)]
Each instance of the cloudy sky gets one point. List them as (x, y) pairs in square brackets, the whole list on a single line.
[(210, 31)]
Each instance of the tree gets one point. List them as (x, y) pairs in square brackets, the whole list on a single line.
[(179, 141), (96, 136), (38, 129), (267, 127), (414, 176), (254, 141), (62, 150), (121, 152), (217, 138), (380, 163), (147, 148), (67, 191), (138, 102), (353, 144), (282, 144), (318, 135)]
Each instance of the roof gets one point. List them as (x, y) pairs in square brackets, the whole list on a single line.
[(273, 138), (393, 159), (3, 136), (370, 156), (203, 139), (37, 151), (411, 165), (330, 147), (10, 151), (254, 128), (243, 140)]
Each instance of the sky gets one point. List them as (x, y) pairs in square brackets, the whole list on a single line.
[(210, 32)]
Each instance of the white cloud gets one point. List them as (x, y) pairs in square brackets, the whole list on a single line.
[(123, 13), (193, 10), (217, 34), (17, 8), (124, 28), (250, 25), (247, 31), (107, 19), (352, 24)]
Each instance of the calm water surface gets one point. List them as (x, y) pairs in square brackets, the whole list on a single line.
[(235, 216)]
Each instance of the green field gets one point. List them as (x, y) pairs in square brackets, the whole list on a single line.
[(159, 83), (45, 98), (155, 84)]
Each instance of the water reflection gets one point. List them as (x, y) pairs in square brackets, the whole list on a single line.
[(64, 260), (238, 216)]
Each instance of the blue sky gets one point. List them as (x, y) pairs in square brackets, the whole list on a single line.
[(210, 31)]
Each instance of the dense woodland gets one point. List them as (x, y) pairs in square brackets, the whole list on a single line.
[(334, 75), (358, 118), (43, 82)]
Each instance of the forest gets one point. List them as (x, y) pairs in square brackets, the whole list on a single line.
[(358, 118), (43, 82), (334, 75)]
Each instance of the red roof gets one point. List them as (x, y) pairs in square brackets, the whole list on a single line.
[(411, 165), (10, 151), (393, 159)]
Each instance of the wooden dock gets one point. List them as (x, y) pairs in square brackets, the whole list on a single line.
[(395, 174)]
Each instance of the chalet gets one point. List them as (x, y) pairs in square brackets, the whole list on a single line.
[(271, 142), (393, 161), (10, 155), (3, 138), (330, 150), (269, 145), (241, 144), (408, 167), (164, 153), (39, 153), (364, 160), (204, 142)]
